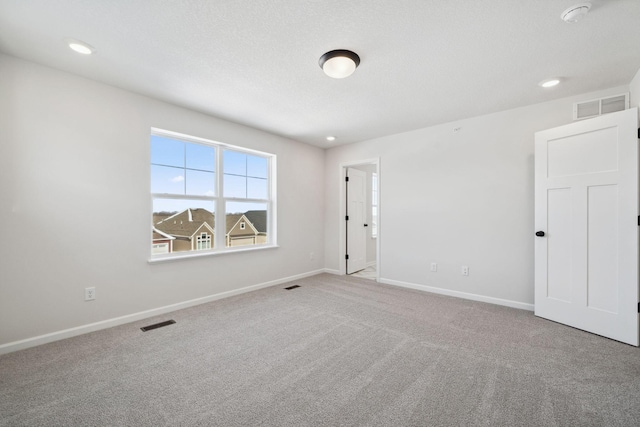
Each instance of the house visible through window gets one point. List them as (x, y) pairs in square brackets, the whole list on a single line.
[(194, 182), (374, 204)]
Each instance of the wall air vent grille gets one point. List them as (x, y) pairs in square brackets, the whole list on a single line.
[(597, 107), (586, 109)]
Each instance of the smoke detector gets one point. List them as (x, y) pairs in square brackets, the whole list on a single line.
[(575, 12)]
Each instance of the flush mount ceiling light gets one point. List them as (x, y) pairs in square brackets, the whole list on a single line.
[(575, 12), (80, 47), (331, 138), (339, 63), (549, 83)]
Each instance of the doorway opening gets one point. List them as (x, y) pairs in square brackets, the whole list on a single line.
[(360, 219)]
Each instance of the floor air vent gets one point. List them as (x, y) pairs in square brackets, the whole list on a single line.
[(158, 325), (597, 107), (292, 287)]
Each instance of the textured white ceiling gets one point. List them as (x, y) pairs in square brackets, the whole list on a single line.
[(256, 62)]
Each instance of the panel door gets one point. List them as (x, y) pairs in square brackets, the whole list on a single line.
[(586, 218), (356, 211)]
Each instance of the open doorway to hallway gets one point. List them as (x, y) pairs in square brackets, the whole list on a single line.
[(360, 207)]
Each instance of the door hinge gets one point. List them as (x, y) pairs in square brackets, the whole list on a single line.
[(346, 178), (639, 220), (639, 307), (346, 218), (346, 257)]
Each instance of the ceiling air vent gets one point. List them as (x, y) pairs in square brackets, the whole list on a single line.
[(597, 107)]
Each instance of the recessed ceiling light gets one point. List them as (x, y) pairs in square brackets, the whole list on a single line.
[(331, 138), (81, 47), (575, 12), (339, 63), (549, 83)]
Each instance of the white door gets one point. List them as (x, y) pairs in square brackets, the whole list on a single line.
[(586, 204), (356, 212)]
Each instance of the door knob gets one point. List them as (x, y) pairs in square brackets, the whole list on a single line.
[(366, 225), (540, 233)]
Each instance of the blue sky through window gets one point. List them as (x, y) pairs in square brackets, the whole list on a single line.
[(185, 168), (245, 176)]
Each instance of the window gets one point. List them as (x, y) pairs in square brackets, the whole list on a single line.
[(194, 182), (203, 241), (374, 204)]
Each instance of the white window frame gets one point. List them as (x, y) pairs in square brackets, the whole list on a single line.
[(219, 240)]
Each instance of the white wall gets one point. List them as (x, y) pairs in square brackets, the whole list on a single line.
[(75, 210), (455, 198)]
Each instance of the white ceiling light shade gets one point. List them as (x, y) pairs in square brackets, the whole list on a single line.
[(331, 138), (339, 63), (549, 83), (575, 12), (80, 47)]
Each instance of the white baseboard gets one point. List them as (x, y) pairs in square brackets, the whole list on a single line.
[(109, 323), (458, 294), (332, 271), (371, 263)]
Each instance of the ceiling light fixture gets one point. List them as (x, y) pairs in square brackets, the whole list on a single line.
[(81, 47), (339, 63), (331, 138), (549, 83), (575, 12)]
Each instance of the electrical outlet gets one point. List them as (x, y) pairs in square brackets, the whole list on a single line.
[(434, 266), (89, 294), (465, 270)]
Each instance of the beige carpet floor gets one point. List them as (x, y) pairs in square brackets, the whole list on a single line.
[(337, 351)]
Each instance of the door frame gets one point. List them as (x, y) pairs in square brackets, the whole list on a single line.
[(342, 262)]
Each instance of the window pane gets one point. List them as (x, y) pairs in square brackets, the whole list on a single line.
[(200, 183), (167, 180), (200, 157), (257, 188), (235, 163), (245, 176), (235, 186), (182, 225), (257, 167), (254, 218), (165, 151)]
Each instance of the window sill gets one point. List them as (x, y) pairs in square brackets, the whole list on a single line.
[(198, 254)]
